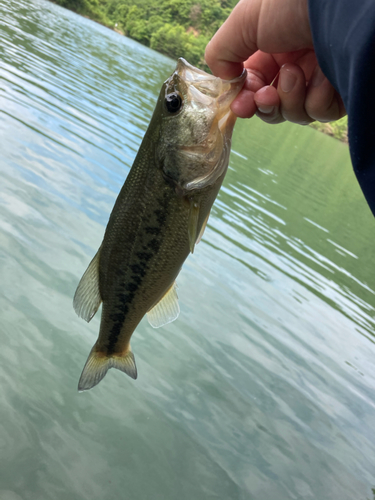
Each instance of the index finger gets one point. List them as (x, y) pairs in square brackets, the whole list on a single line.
[(232, 44)]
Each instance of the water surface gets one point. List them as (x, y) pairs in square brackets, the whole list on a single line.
[(264, 387)]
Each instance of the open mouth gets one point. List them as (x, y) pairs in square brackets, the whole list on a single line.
[(212, 96), (211, 86), (212, 91)]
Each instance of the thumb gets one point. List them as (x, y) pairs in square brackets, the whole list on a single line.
[(272, 26), (234, 42)]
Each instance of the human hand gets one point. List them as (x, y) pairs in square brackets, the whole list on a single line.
[(272, 40)]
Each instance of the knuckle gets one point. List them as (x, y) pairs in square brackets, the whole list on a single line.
[(324, 109), (271, 118), (296, 116)]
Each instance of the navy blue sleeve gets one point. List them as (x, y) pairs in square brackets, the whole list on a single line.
[(344, 41)]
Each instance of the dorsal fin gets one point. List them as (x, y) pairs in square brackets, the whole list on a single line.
[(87, 298), (166, 310)]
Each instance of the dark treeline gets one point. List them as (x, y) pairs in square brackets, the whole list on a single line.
[(174, 27)]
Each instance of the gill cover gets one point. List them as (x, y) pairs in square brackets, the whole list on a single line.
[(196, 131)]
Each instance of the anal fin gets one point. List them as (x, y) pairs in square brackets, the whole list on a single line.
[(166, 310)]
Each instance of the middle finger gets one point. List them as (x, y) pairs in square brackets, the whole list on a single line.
[(292, 93)]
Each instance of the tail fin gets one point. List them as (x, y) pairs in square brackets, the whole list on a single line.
[(98, 364)]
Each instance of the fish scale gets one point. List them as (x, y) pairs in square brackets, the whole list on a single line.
[(158, 217), (151, 272)]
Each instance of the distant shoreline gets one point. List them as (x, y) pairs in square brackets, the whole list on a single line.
[(337, 129)]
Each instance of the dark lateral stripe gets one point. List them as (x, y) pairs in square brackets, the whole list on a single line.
[(154, 245), (152, 230), (124, 298), (115, 331), (144, 256), (128, 290)]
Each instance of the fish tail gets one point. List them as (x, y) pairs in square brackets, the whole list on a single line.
[(98, 363)]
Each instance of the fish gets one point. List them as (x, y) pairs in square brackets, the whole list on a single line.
[(159, 216)]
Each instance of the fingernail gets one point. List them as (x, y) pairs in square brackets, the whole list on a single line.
[(287, 80), (267, 110), (317, 78)]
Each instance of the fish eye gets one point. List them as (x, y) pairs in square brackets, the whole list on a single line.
[(173, 102)]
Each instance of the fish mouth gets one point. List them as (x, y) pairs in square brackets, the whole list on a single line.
[(216, 94), (211, 91), (225, 91)]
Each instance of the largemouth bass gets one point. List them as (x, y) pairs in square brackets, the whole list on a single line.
[(159, 216)]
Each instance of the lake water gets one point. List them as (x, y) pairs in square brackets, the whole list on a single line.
[(264, 388)]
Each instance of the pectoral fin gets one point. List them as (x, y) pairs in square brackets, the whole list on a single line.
[(202, 229), (87, 298), (194, 236), (193, 224), (166, 310)]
